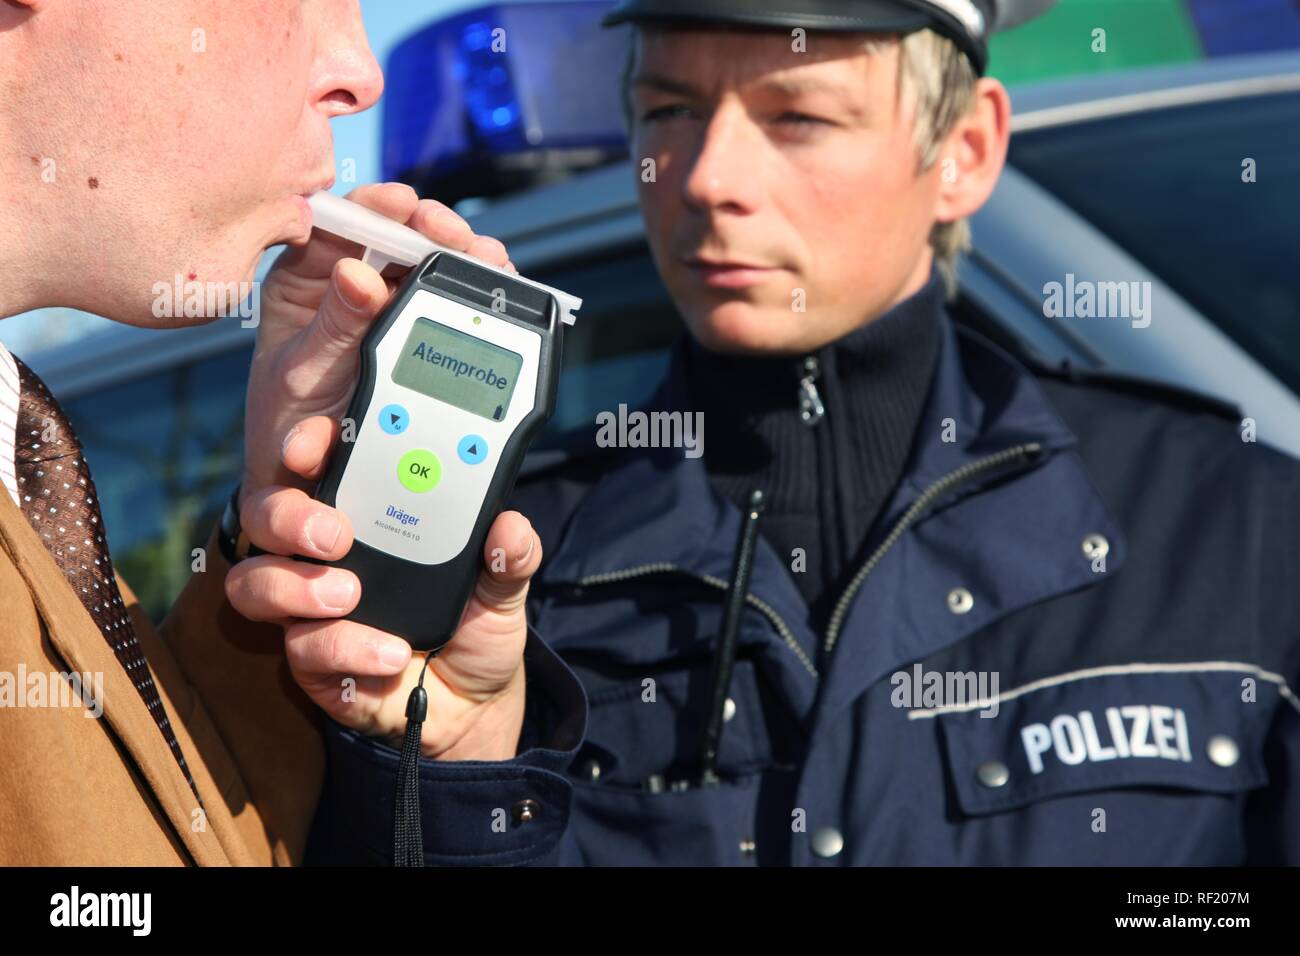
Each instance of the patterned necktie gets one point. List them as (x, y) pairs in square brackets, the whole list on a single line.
[(59, 497)]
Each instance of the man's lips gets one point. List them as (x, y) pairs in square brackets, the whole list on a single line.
[(304, 208), (325, 181), (728, 274)]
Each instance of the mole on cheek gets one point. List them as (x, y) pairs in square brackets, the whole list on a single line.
[(118, 57), (192, 276), (93, 182)]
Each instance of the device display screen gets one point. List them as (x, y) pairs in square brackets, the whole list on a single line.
[(458, 369)]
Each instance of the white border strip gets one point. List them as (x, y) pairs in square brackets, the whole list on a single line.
[(966, 12), (1110, 671), (1151, 100), (10, 405)]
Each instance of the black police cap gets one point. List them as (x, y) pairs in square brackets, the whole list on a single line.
[(968, 23)]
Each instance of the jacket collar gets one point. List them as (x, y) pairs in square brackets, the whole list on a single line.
[(662, 500), (77, 641)]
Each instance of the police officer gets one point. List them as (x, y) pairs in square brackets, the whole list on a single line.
[(920, 601)]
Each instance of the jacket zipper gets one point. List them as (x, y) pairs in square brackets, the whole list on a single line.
[(811, 409), (1024, 452)]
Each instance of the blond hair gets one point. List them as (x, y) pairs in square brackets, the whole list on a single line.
[(940, 81)]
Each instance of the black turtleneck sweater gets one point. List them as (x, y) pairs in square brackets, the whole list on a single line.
[(825, 478)]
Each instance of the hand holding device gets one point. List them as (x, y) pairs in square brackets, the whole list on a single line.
[(317, 304), (475, 685), (458, 373)]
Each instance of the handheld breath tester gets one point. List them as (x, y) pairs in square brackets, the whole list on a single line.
[(458, 374)]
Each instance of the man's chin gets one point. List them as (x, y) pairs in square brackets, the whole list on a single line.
[(745, 330), (201, 297)]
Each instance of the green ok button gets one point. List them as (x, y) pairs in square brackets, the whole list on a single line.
[(419, 470)]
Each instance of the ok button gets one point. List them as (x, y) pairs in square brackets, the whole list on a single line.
[(419, 470)]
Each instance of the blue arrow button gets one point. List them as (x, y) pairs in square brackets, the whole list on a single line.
[(472, 449), (393, 419)]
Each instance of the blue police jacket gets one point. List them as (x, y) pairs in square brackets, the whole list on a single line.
[(1076, 641)]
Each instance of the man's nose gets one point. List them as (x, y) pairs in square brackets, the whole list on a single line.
[(347, 78), (723, 174)]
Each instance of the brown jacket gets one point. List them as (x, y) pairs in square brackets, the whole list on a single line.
[(106, 791)]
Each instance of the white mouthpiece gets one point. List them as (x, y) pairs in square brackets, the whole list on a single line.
[(388, 241)]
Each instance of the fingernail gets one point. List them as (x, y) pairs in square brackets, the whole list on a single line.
[(335, 591), (289, 439), (323, 530), (352, 297), (393, 655), (532, 542)]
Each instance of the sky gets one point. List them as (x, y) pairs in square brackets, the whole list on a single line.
[(355, 137), (388, 22)]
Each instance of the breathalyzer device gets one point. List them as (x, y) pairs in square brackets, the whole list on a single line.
[(458, 374)]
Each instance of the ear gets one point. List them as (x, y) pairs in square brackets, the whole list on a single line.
[(974, 153)]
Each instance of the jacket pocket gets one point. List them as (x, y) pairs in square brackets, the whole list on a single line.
[(645, 725), (637, 796), (1166, 728), (698, 826)]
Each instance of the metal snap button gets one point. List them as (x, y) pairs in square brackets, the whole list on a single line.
[(960, 601), (728, 709), (1095, 546), (993, 773), (827, 842), (1223, 750), (526, 810)]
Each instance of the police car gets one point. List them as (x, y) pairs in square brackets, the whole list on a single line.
[(1144, 226)]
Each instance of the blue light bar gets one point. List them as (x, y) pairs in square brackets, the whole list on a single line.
[(506, 81), (1230, 27)]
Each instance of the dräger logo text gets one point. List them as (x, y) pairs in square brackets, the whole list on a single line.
[(397, 514)]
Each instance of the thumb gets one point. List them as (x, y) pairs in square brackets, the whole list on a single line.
[(355, 296), (511, 555)]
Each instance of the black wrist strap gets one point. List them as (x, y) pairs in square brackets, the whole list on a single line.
[(408, 837)]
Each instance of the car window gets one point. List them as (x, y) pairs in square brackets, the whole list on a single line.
[(617, 351), (165, 451), (1169, 187)]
